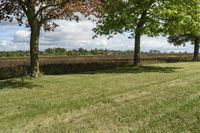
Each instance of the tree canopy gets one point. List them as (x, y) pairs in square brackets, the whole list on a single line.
[(44, 11), (187, 29), (182, 39), (139, 17)]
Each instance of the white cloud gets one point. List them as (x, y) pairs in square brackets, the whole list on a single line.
[(3, 43), (21, 36), (73, 35)]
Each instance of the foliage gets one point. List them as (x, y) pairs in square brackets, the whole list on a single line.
[(187, 29), (62, 51), (178, 40), (187, 22), (44, 11), (154, 51), (124, 16)]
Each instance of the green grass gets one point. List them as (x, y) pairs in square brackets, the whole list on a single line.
[(154, 98)]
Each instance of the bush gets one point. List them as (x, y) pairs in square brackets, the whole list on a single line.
[(12, 72), (56, 69)]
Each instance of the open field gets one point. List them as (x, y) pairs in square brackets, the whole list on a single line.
[(16, 61), (19, 66), (154, 98)]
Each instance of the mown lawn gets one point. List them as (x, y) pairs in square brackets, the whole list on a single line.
[(155, 98)]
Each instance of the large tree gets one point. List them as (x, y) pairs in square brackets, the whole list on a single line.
[(187, 29), (138, 17), (178, 40), (40, 13)]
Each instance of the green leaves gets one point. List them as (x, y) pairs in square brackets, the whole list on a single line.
[(127, 16), (187, 19), (187, 29), (161, 16)]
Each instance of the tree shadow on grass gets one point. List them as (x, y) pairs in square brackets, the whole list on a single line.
[(17, 84), (142, 69)]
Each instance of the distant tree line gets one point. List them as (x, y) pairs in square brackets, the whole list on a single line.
[(64, 52), (75, 52)]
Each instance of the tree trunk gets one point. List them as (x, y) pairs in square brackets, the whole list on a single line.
[(137, 49), (196, 50), (34, 49), (138, 33)]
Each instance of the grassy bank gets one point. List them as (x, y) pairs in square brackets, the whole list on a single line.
[(154, 98)]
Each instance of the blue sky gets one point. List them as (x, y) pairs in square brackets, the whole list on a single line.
[(72, 35)]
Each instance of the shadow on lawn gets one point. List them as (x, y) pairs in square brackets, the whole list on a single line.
[(138, 70), (16, 84)]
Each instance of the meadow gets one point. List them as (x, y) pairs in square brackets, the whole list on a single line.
[(161, 97)]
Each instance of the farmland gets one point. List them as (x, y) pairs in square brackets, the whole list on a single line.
[(16, 61), (154, 98), (19, 66)]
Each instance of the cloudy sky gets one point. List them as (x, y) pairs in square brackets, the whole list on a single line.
[(72, 35)]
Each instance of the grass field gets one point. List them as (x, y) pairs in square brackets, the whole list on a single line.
[(154, 98)]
